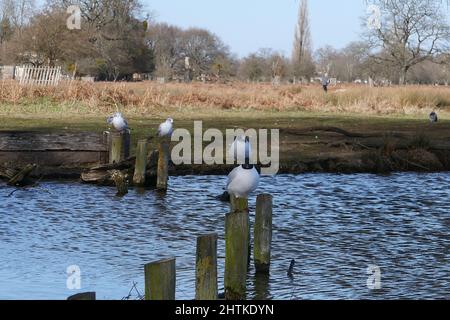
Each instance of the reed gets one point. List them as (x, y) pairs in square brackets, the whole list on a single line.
[(150, 98)]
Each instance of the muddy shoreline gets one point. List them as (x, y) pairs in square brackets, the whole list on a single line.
[(416, 160)]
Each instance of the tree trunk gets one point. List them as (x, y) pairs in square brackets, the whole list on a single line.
[(403, 74)]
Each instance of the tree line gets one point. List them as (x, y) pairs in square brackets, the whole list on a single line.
[(401, 41)]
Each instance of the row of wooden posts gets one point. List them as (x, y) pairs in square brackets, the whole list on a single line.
[(119, 150), (160, 276)]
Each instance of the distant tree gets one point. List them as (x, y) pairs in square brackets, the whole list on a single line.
[(264, 65), (165, 42), (409, 33), (18, 12), (252, 68), (41, 42), (203, 48), (302, 62), (6, 29), (224, 67), (327, 60)]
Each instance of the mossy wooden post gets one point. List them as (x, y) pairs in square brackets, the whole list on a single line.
[(141, 163), (119, 146), (83, 296), (163, 164), (206, 268), (263, 233), (160, 280), (236, 249), (120, 179)]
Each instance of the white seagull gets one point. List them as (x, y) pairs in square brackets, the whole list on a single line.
[(242, 181), (433, 117), (240, 149), (118, 122), (166, 128)]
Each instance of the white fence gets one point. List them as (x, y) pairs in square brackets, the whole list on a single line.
[(41, 76)]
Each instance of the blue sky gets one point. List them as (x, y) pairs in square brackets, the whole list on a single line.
[(247, 25)]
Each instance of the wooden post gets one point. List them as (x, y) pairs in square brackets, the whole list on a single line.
[(236, 251), (206, 268), (263, 233), (141, 163), (119, 146), (83, 296), (120, 179), (163, 165), (160, 280)]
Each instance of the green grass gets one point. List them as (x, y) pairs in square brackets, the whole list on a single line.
[(294, 147)]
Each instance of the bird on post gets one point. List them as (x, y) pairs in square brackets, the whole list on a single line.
[(118, 122), (244, 179), (166, 128), (434, 117)]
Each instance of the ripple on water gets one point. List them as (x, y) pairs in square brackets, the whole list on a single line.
[(334, 226)]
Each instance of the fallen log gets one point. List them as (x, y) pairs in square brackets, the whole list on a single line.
[(101, 174), (18, 178)]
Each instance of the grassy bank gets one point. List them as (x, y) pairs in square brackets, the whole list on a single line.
[(384, 114), (150, 99), (304, 152)]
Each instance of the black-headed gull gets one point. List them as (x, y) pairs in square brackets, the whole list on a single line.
[(242, 181), (165, 129)]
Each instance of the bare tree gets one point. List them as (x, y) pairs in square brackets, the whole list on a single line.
[(165, 42), (203, 48), (409, 32), (301, 56), (18, 12)]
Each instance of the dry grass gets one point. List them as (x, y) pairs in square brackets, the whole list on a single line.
[(148, 98)]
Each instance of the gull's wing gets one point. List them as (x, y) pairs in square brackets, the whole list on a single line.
[(160, 129), (232, 175)]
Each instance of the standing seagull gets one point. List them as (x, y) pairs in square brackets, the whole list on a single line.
[(240, 149), (434, 117), (242, 181), (166, 128), (118, 122)]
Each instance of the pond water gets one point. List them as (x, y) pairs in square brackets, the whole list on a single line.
[(334, 226)]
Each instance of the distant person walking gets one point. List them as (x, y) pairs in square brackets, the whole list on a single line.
[(325, 82)]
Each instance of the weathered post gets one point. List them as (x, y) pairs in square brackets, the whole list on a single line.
[(141, 163), (263, 233), (163, 165), (83, 296), (206, 268), (119, 146), (120, 179), (160, 280), (237, 248)]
